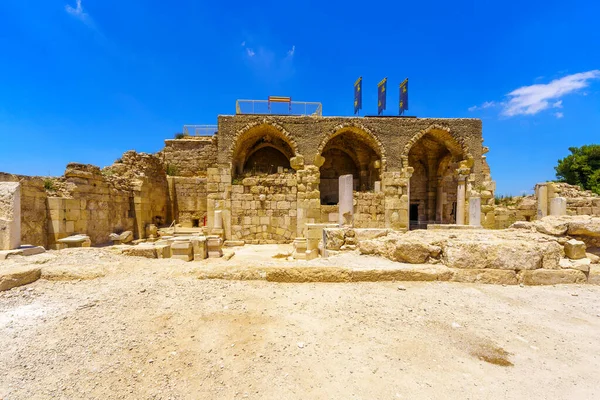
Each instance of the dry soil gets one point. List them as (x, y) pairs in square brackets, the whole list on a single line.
[(116, 327)]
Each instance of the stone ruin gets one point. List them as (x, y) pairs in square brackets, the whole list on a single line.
[(280, 179)]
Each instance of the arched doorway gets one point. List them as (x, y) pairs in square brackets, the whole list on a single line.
[(349, 150), (262, 149), (435, 156)]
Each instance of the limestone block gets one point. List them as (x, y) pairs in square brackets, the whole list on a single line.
[(200, 248), (18, 276), (182, 251), (76, 241), (124, 237), (311, 254), (594, 275), (10, 215), (575, 249), (162, 250), (582, 264), (494, 276), (558, 206), (551, 277), (214, 244)]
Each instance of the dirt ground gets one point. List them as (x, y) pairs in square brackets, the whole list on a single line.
[(149, 329)]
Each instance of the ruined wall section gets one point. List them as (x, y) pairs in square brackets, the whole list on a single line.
[(189, 156), (369, 211), (146, 176), (189, 200), (263, 209), (34, 228)]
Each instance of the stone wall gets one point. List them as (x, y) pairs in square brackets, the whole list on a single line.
[(579, 202), (311, 134), (369, 210), (34, 228), (190, 156), (125, 196), (188, 198), (263, 209)]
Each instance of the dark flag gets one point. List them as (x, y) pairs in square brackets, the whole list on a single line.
[(381, 92), (403, 96), (358, 95)]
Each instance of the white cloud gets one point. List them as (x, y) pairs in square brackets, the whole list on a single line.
[(485, 105), (77, 12), (244, 43), (530, 100), (558, 115), (292, 51), (250, 52)]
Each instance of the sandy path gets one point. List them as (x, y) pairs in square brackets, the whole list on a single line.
[(146, 331)]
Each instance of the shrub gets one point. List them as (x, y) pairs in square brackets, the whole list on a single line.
[(171, 170), (49, 184)]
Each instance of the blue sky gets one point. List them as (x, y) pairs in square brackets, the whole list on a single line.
[(87, 80)]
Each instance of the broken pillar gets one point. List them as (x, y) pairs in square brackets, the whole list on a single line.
[(300, 249), (346, 200), (541, 191), (214, 246), (199, 248), (460, 200), (10, 215), (558, 206), (475, 211)]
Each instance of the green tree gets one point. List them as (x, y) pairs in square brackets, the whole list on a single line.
[(581, 167)]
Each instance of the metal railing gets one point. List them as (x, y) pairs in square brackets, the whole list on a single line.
[(200, 130), (301, 108)]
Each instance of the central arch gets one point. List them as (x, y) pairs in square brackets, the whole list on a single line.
[(349, 149), (261, 148), (434, 154)]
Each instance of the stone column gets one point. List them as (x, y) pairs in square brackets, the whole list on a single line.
[(10, 215), (308, 195), (558, 206), (541, 191), (475, 211), (439, 205), (346, 201), (460, 200)]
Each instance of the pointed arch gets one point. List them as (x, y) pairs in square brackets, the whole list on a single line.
[(455, 143)]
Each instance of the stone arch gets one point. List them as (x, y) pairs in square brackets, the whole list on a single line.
[(362, 132), (259, 135), (349, 148), (434, 154), (455, 143)]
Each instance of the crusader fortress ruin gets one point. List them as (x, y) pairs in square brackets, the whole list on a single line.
[(415, 190), (271, 175)]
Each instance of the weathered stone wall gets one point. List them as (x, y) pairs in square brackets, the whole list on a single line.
[(311, 134), (125, 196), (263, 209), (190, 156), (93, 205), (369, 210), (579, 202), (34, 228), (188, 197)]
